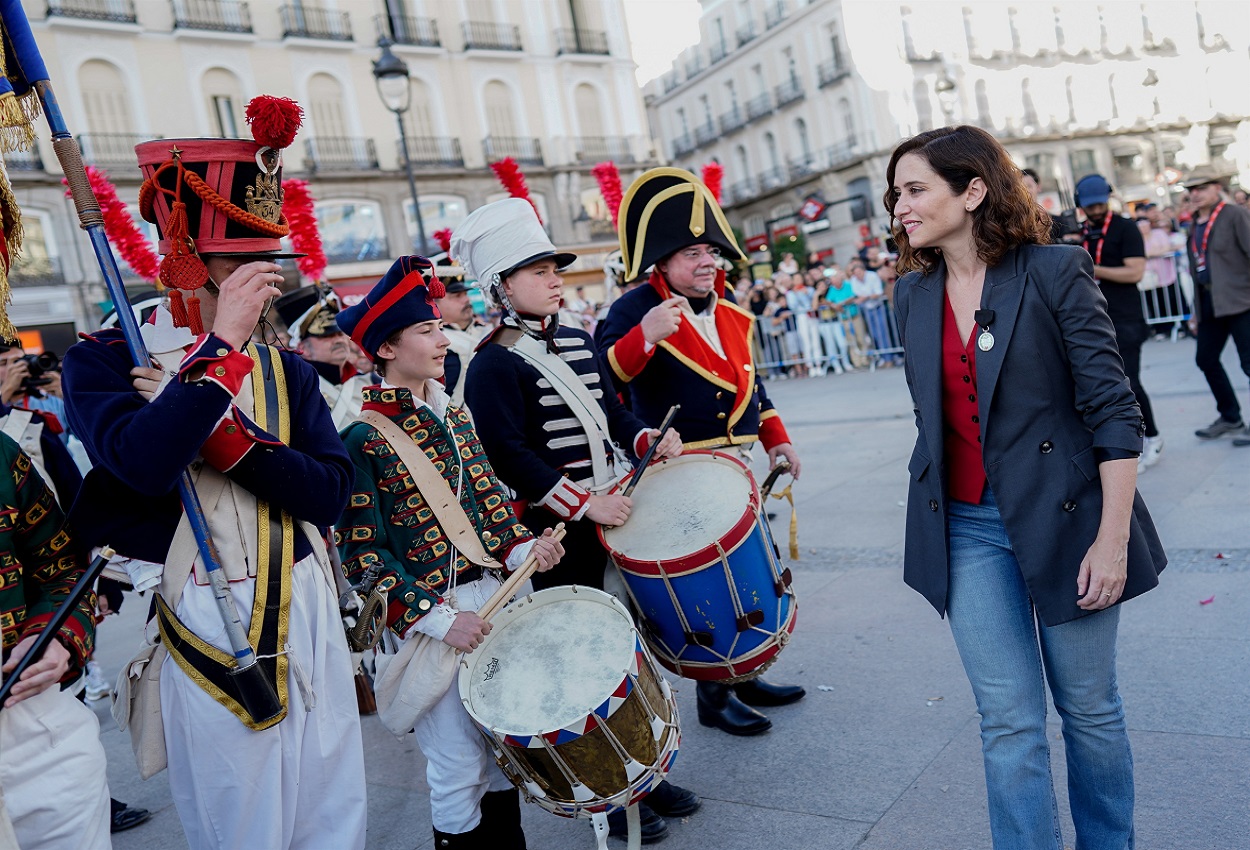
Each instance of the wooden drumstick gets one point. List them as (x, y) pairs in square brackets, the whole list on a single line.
[(509, 588), (650, 452), (773, 475)]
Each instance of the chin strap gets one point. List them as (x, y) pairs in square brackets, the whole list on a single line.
[(551, 324)]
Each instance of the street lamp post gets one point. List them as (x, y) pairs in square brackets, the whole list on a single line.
[(395, 88)]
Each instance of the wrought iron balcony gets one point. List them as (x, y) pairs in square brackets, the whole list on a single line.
[(432, 152), (802, 166), (789, 91), (683, 145), (746, 33), (111, 150), (592, 42), (732, 121), (215, 15), (600, 148), (339, 153), (483, 35), (404, 29), (694, 66), (775, 13), (830, 72), (773, 178), (758, 107), (717, 52), (671, 81), (116, 11), (525, 150), (705, 134), (743, 190), (843, 152), (302, 21), (23, 160)]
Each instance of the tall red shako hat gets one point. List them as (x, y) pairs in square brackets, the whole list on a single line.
[(217, 196)]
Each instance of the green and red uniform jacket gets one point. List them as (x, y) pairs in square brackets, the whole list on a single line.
[(39, 562), (387, 518)]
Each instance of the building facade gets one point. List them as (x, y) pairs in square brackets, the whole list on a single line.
[(798, 99), (547, 82)]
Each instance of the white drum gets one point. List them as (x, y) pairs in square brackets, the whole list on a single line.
[(572, 702)]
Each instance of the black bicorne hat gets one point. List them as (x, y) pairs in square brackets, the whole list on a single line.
[(665, 210)]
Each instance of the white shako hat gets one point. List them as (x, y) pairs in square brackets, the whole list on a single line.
[(499, 238)]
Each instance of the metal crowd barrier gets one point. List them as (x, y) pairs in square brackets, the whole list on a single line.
[(1168, 298), (857, 337)]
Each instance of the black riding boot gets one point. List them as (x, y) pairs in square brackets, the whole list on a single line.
[(501, 820), (720, 708)]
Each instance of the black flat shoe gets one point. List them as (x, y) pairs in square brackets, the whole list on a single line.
[(125, 818), (759, 692), (654, 827), (673, 801), (720, 709)]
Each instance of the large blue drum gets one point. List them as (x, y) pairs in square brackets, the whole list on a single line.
[(701, 568)]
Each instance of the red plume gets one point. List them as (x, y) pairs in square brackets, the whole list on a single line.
[(274, 120), (509, 174), (712, 174), (120, 227), (443, 238), (609, 180), (297, 206)]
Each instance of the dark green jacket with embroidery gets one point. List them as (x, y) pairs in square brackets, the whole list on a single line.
[(387, 518)]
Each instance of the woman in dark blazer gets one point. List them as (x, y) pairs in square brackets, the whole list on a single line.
[(1024, 526)]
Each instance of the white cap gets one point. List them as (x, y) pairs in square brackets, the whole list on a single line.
[(499, 238)]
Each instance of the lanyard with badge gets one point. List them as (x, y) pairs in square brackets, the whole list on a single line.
[(1200, 255), (1102, 240)]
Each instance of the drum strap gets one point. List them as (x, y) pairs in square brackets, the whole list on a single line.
[(585, 407), (435, 490)]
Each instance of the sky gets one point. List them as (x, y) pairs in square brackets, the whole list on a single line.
[(658, 31)]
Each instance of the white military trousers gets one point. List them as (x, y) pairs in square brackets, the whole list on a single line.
[(299, 785), (52, 775), (460, 768)]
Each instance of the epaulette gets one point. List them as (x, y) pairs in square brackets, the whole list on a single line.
[(502, 335), (108, 336)]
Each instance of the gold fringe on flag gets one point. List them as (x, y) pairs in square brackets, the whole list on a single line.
[(11, 221)]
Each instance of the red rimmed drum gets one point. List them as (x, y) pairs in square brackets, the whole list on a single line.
[(702, 571)]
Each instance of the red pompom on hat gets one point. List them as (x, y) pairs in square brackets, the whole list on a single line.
[(274, 120)]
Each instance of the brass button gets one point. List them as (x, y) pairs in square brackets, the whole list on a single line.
[(486, 535), (721, 415), (410, 597), (424, 605), (720, 394), (220, 371), (222, 352), (231, 429)]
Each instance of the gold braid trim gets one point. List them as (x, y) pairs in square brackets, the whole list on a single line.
[(11, 220)]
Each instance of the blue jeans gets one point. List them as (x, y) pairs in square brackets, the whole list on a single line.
[(1009, 656)]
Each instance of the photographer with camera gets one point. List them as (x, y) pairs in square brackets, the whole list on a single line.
[(35, 420)]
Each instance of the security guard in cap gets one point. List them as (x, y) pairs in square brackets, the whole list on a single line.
[(683, 339)]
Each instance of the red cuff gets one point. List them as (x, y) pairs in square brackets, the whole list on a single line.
[(628, 355), (772, 432), (566, 500), (212, 359), (230, 441), (642, 442), (71, 637)]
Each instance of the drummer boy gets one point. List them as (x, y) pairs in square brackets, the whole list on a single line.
[(548, 417), (433, 588)]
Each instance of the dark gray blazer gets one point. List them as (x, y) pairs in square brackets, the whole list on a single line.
[(1050, 393), (1228, 252)]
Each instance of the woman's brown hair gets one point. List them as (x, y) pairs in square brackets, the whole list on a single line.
[(1008, 216)]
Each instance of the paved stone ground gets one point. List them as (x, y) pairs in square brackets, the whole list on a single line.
[(884, 753)]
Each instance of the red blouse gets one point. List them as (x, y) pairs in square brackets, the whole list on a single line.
[(961, 422)]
